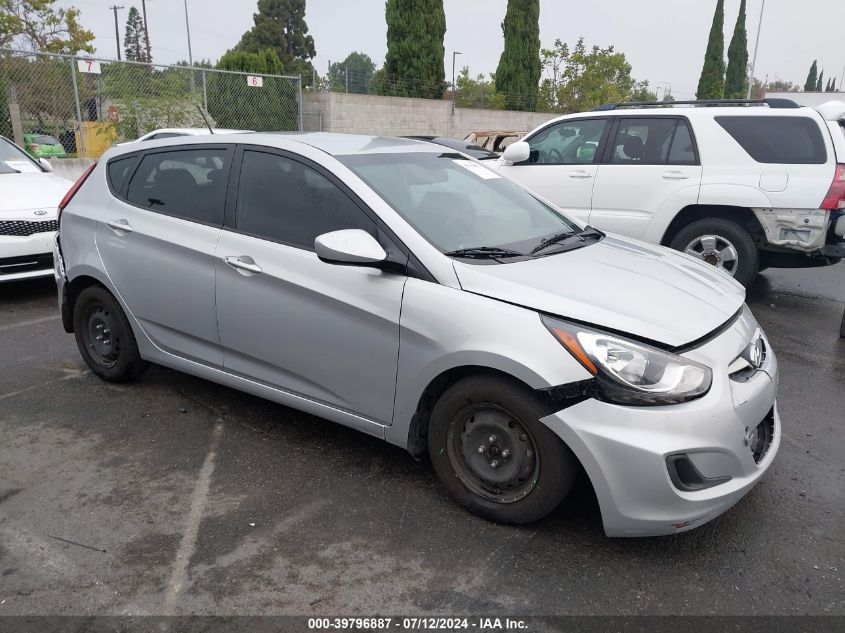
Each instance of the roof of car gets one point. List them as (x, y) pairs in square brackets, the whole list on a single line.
[(330, 143)]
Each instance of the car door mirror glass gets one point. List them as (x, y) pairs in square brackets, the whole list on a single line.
[(517, 152), (45, 164), (350, 247)]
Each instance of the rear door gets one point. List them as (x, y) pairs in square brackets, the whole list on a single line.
[(651, 163), (157, 243), (563, 163), (324, 332)]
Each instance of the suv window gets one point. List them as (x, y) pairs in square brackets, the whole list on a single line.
[(683, 147), (573, 142), (286, 201), (643, 141), (187, 184), (793, 140)]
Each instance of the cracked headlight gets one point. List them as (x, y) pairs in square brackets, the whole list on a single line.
[(632, 373)]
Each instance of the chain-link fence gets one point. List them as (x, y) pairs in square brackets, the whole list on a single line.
[(88, 104)]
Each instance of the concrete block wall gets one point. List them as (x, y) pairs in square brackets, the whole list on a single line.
[(400, 116), (70, 168)]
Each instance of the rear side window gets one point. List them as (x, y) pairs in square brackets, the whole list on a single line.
[(643, 141), (777, 139), (286, 201), (683, 147), (118, 170), (187, 184)]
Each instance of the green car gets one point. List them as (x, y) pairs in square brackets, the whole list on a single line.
[(43, 146)]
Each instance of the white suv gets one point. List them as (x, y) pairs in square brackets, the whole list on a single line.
[(743, 185)]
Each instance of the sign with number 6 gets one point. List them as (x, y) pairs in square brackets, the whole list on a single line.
[(255, 82)]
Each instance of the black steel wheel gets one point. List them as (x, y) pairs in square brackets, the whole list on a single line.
[(493, 454)]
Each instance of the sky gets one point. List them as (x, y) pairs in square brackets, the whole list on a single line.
[(664, 40)]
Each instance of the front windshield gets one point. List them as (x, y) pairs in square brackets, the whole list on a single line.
[(13, 160), (458, 204)]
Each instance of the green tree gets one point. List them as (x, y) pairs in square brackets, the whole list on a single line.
[(280, 25), (234, 104), (135, 39), (357, 68), (478, 92), (520, 67), (711, 85), (812, 77), (820, 82), (736, 79), (40, 25), (582, 78), (413, 66)]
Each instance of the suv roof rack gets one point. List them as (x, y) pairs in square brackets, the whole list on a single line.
[(707, 103)]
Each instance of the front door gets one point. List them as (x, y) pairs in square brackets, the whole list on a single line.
[(326, 332), (563, 164), (157, 244)]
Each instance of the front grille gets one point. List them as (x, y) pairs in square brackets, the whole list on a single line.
[(25, 228), (760, 439), (25, 264)]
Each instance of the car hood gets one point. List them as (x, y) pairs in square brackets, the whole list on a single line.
[(32, 192), (623, 285)]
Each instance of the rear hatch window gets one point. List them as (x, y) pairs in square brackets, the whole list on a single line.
[(777, 139)]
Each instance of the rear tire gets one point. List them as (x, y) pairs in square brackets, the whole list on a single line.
[(722, 243), (104, 336), (493, 454)]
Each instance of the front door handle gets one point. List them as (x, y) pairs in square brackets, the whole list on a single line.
[(244, 263), (675, 175), (579, 173), (120, 226)]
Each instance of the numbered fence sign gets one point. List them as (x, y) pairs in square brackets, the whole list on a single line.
[(255, 82), (89, 66)]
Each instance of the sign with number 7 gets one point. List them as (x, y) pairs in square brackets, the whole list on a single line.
[(88, 66)]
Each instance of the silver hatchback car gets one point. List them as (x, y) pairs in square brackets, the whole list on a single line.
[(405, 290)]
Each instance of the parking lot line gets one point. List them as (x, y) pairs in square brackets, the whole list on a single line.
[(199, 500), (12, 326)]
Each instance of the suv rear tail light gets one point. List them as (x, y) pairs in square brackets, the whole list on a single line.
[(72, 192), (835, 198)]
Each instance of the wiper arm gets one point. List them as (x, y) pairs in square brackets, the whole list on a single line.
[(587, 233), (484, 252)]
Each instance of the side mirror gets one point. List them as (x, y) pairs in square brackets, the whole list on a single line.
[(350, 247), (45, 164), (517, 152)]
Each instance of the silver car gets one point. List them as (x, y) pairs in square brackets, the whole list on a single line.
[(405, 290)]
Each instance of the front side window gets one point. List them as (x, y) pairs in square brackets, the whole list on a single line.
[(456, 203), (188, 184), (574, 142), (286, 201), (781, 140), (643, 141)]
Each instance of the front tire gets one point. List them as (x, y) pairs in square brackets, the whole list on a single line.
[(493, 454), (723, 244), (104, 336)]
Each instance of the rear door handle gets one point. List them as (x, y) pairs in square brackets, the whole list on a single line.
[(120, 226), (675, 175), (241, 264), (579, 173)]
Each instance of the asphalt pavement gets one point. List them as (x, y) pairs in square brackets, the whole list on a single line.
[(172, 495)]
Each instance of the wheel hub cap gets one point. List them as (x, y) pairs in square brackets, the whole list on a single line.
[(716, 251)]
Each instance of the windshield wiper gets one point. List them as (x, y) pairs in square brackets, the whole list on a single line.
[(484, 252), (560, 238)]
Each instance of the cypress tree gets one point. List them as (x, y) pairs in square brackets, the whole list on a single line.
[(518, 74), (134, 40), (711, 85), (812, 78), (736, 81), (819, 82), (413, 66)]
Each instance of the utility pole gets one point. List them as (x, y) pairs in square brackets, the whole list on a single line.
[(116, 8), (146, 31), (454, 86), (188, 29), (756, 47)]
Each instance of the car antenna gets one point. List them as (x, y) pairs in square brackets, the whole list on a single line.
[(205, 118)]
